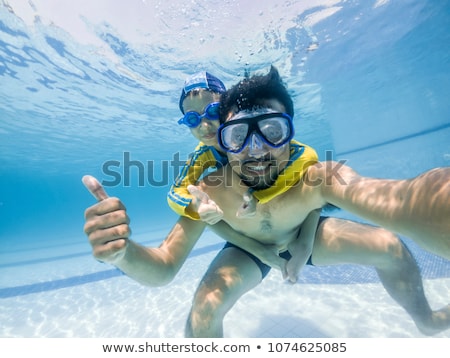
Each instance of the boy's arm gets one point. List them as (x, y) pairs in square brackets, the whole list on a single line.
[(301, 248), (179, 198), (268, 254), (184, 201)]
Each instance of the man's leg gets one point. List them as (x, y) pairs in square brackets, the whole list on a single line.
[(230, 275), (343, 241)]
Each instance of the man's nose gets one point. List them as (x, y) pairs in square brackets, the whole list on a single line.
[(256, 146)]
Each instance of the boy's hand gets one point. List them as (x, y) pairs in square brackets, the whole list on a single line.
[(270, 257), (300, 252), (208, 210)]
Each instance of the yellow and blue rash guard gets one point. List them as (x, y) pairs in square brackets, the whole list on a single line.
[(206, 158), (301, 157), (203, 159)]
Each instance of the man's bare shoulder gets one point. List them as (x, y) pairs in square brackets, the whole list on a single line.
[(329, 173)]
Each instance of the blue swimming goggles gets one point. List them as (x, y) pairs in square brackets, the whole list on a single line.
[(275, 129), (193, 119)]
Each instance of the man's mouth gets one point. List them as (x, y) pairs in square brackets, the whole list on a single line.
[(259, 168)]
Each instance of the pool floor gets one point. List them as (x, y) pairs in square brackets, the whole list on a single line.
[(66, 293)]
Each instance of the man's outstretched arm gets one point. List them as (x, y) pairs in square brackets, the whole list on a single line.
[(108, 231), (418, 208)]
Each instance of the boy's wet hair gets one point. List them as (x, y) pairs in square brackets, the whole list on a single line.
[(249, 94)]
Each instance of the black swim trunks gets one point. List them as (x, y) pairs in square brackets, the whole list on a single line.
[(265, 269)]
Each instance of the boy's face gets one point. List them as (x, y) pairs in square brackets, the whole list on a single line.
[(206, 131)]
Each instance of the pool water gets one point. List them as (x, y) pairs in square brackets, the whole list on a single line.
[(92, 88)]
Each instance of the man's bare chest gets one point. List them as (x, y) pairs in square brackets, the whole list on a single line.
[(272, 222)]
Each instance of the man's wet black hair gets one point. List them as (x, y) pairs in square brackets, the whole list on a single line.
[(251, 91)]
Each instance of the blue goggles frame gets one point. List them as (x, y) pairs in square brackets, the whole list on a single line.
[(193, 119), (254, 127)]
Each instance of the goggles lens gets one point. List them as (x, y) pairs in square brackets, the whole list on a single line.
[(275, 129), (193, 119)]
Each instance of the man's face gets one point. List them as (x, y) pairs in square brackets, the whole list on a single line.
[(259, 164)]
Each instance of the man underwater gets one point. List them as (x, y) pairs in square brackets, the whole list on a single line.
[(255, 132)]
